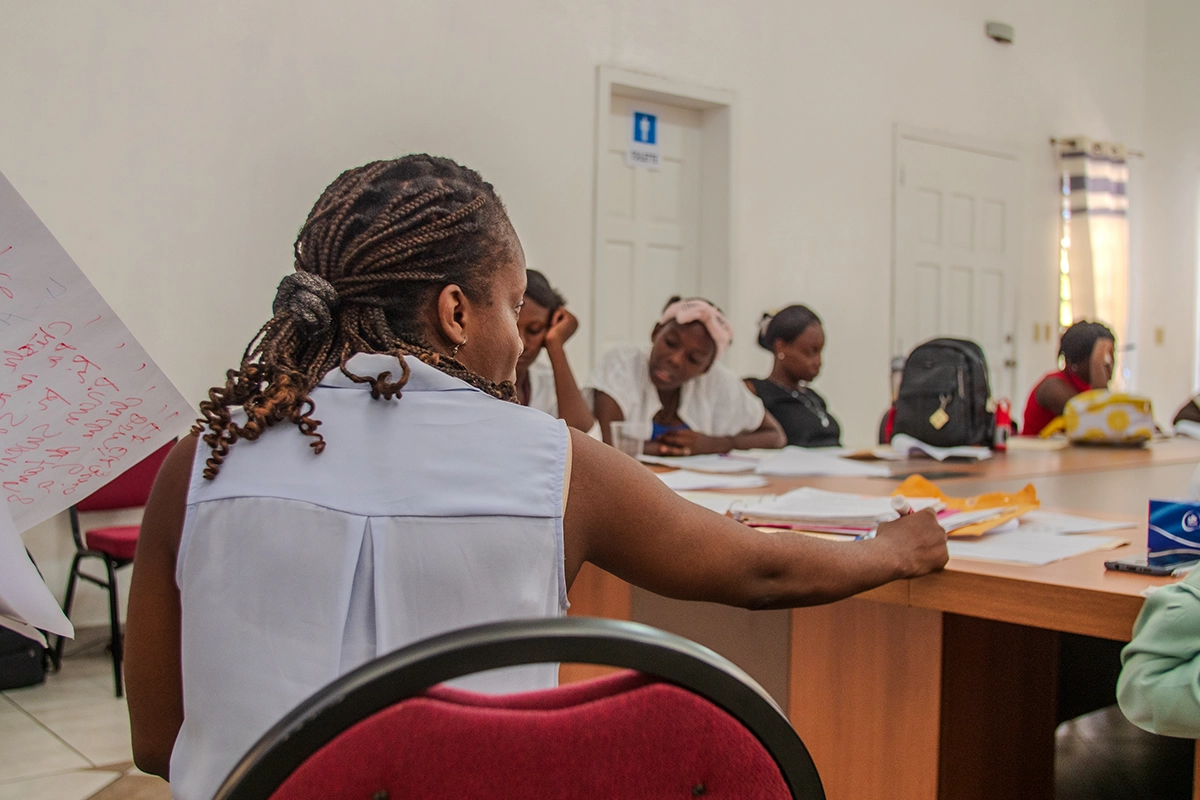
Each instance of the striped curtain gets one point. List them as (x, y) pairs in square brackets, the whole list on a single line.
[(1095, 245)]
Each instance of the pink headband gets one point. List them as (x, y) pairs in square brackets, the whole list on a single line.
[(697, 310)]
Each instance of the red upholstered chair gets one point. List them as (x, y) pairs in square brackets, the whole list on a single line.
[(683, 723), (114, 546)]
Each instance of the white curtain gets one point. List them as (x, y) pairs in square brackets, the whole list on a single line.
[(1095, 261)]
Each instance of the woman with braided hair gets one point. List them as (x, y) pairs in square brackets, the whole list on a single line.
[(387, 492)]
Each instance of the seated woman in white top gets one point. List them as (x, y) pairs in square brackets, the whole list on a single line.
[(691, 403), (363, 480), (546, 324)]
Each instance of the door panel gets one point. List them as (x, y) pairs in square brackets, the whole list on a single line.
[(651, 225), (953, 264)]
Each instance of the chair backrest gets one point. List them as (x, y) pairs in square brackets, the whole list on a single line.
[(686, 723), (130, 489)]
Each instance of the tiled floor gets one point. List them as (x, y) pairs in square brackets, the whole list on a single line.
[(68, 739)]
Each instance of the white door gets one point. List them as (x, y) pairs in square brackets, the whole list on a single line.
[(650, 224), (955, 264)]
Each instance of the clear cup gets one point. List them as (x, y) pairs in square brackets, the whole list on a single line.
[(630, 437)]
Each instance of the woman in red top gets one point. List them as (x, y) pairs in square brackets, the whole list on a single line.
[(1087, 350)]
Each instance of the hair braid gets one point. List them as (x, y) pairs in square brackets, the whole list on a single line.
[(376, 248)]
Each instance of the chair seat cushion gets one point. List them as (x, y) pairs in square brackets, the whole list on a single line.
[(117, 542), (619, 736)]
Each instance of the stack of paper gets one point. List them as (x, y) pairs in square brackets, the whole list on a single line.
[(907, 445), (816, 509), (685, 480), (798, 462), (720, 463), (721, 503)]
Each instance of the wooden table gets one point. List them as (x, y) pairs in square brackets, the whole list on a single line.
[(944, 686)]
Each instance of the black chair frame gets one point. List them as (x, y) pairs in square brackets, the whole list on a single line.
[(111, 565), (409, 671)]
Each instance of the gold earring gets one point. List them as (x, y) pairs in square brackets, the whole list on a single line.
[(779, 356), (454, 352)]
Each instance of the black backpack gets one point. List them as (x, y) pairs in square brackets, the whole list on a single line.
[(944, 394), (22, 660)]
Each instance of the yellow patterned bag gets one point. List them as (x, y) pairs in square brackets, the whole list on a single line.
[(1103, 417)]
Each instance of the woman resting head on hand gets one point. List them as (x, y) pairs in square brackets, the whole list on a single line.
[(363, 481), (691, 404), (546, 323), (796, 338)]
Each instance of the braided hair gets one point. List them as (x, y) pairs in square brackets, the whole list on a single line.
[(379, 245), (786, 324)]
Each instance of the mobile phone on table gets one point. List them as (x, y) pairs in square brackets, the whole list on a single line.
[(1154, 565)]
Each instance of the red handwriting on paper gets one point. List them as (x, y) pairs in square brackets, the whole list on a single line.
[(5, 283), (69, 426), (36, 344)]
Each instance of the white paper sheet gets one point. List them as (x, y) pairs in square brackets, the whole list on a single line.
[(1058, 524), (80, 401), (721, 503), (1185, 427), (718, 463), (25, 602), (961, 519), (797, 462), (1034, 549), (905, 444), (685, 480), (829, 508)]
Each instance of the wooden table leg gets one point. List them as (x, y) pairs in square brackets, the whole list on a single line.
[(911, 703), (595, 593), (1196, 774), (864, 695), (999, 710)]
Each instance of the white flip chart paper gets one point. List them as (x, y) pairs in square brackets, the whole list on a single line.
[(80, 401), (25, 602)]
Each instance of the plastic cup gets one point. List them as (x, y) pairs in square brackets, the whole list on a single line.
[(630, 437)]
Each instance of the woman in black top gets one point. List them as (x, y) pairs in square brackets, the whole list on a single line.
[(796, 338)]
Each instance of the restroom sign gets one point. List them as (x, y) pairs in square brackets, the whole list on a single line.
[(643, 148)]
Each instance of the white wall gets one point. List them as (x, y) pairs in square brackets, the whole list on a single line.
[(175, 147), (1171, 191)]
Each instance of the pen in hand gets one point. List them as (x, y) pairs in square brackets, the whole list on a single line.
[(901, 507)]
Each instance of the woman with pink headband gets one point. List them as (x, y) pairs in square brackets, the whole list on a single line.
[(693, 404)]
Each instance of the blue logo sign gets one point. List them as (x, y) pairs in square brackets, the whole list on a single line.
[(645, 128)]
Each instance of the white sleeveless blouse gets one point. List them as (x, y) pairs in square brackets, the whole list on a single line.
[(435, 511)]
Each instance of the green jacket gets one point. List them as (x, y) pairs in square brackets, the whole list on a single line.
[(1159, 689)]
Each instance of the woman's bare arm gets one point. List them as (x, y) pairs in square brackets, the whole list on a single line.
[(626, 521), (686, 442), (572, 406), (153, 674), (1053, 394)]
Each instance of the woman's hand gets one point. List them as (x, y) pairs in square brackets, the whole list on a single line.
[(687, 442), (1100, 366), (919, 543), (563, 325)]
